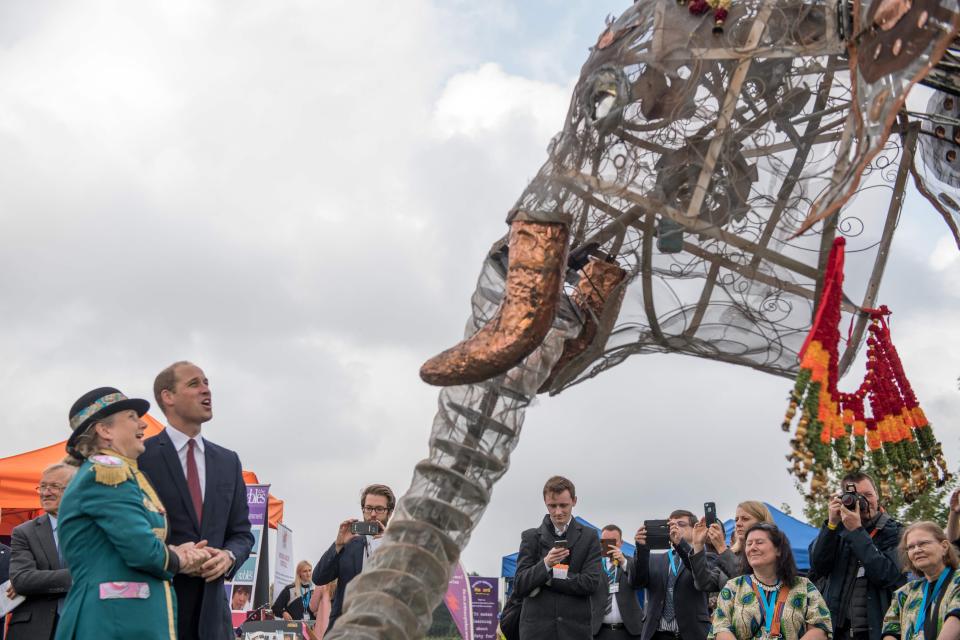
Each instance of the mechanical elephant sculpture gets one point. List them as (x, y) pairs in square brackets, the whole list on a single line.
[(667, 218)]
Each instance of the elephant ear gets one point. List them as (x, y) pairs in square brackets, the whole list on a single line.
[(893, 45)]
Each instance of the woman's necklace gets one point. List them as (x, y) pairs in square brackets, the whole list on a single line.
[(764, 586)]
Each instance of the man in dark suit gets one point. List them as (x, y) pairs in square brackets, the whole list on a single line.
[(4, 575), (558, 570), (201, 485), (36, 570), (616, 610), (674, 609), (345, 558)]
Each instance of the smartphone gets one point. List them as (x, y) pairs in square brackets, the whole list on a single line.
[(606, 546), (559, 544), (710, 512), (365, 528)]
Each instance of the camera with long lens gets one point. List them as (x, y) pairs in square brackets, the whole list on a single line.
[(850, 498)]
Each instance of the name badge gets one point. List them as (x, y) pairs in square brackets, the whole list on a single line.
[(614, 587), (560, 571), (861, 572)]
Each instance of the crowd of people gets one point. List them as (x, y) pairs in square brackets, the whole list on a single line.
[(138, 536), (870, 577)]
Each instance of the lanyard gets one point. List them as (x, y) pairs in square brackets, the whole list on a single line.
[(611, 575), (929, 600), (771, 607), (673, 567)]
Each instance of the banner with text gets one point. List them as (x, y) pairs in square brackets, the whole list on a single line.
[(240, 589), (283, 568), (485, 602), (458, 602)]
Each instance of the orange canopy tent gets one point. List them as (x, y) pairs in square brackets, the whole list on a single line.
[(20, 475)]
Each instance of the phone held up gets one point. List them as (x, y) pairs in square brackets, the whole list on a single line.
[(709, 513), (365, 528), (560, 544)]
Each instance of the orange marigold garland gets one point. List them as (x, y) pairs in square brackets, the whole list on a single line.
[(896, 442)]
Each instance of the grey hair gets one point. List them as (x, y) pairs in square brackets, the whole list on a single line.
[(57, 466)]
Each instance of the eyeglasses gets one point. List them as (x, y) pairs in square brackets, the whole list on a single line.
[(376, 510), (52, 487), (920, 545)]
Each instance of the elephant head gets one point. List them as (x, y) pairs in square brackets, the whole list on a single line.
[(665, 218)]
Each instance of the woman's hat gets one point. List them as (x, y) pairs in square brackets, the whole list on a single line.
[(98, 404)]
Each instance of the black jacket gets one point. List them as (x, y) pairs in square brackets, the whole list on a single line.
[(557, 609), (202, 608), (690, 604), (832, 556), (627, 602), (36, 573), (342, 567)]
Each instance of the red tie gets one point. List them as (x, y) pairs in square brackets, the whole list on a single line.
[(193, 480)]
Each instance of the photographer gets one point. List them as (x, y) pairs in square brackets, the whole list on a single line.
[(558, 570), (616, 611), (675, 608), (356, 541), (856, 552)]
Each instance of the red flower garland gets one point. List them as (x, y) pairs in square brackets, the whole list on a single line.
[(896, 442)]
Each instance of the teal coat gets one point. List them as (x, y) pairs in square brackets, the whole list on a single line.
[(111, 530)]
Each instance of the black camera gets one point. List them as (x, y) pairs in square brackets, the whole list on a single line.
[(365, 528), (850, 499)]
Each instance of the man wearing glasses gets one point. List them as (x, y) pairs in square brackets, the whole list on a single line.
[(36, 570), (675, 608), (349, 553)]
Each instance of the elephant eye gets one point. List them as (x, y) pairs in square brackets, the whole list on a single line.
[(606, 93)]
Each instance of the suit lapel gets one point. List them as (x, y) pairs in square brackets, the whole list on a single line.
[(47, 544), (210, 461), (172, 460), (573, 534)]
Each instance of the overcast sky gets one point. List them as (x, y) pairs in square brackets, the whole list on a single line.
[(297, 196)]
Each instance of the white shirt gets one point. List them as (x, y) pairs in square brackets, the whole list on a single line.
[(53, 525), (372, 544), (179, 440), (614, 616)]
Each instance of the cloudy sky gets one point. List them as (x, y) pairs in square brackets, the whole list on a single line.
[(297, 196)]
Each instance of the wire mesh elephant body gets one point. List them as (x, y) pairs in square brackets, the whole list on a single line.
[(666, 215)]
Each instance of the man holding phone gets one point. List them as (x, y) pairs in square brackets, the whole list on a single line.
[(356, 541), (616, 611), (675, 609), (558, 570)]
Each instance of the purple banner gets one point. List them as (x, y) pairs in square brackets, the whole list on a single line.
[(485, 601), (257, 496), (458, 602)]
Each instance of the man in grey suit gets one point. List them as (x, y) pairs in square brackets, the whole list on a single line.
[(35, 568), (616, 610)]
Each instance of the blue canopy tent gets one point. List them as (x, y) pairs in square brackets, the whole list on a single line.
[(800, 534)]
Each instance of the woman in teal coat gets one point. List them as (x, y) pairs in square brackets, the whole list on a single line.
[(112, 527)]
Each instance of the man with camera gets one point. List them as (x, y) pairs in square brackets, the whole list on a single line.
[(558, 570), (854, 558), (356, 541), (616, 611), (675, 609)]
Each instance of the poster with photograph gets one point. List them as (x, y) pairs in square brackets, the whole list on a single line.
[(239, 591)]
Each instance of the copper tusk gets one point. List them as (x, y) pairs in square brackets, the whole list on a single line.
[(596, 293), (538, 252)]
